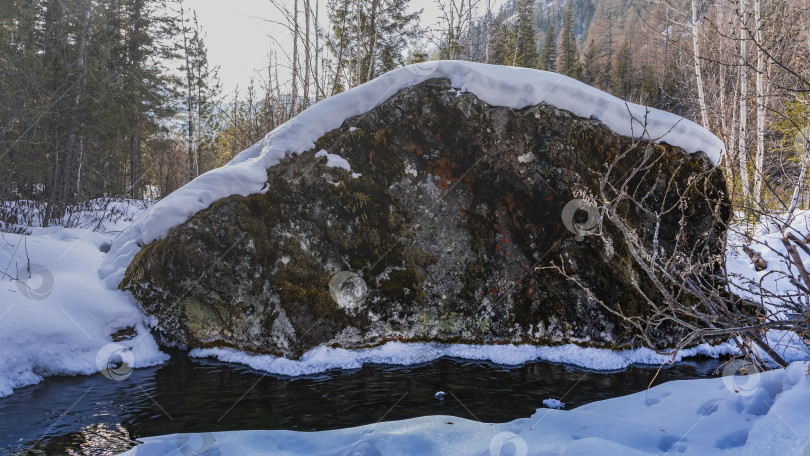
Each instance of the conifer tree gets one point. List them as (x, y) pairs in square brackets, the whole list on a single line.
[(591, 70), (569, 54), (620, 75), (650, 94), (498, 44), (548, 56), (525, 41)]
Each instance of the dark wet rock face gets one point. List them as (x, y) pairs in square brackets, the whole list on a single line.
[(451, 227)]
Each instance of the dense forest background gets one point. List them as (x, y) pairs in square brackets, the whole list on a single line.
[(117, 98)]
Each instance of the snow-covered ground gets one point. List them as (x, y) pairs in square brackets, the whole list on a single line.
[(60, 311), (763, 414), (56, 316), (747, 282)]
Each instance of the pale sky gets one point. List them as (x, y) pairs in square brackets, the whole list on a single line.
[(238, 39)]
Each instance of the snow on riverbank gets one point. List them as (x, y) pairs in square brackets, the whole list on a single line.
[(56, 318), (747, 282), (321, 359), (754, 415), (497, 85)]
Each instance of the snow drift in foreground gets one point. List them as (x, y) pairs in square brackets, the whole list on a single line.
[(497, 85), (753, 415), (57, 318)]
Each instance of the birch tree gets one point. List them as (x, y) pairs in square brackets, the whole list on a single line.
[(704, 116), (760, 90), (742, 150)]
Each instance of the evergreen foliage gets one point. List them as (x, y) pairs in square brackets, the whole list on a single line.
[(548, 56), (569, 53)]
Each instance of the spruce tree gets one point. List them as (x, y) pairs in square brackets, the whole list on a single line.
[(620, 75), (525, 41), (498, 44), (569, 54), (548, 56), (650, 94), (591, 69)]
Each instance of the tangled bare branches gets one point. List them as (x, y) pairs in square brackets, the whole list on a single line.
[(679, 260)]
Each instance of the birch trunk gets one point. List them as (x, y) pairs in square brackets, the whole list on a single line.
[(760, 155), (742, 151), (358, 47), (376, 27), (307, 57), (294, 79), (704, 117), (488, 25), (794, 200), (189, 98)]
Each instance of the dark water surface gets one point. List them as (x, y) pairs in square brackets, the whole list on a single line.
[(98, 416)]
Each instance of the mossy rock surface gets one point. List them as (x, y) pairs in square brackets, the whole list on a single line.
[(453, 224)]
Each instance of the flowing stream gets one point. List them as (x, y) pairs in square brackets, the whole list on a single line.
[(95, 415)]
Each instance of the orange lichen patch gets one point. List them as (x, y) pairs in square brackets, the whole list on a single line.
[(438, 137), (419, 152), (443, 169)]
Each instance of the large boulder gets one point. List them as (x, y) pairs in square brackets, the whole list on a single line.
[(444, 229)]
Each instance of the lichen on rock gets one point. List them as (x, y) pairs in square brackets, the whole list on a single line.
[(450, 225)]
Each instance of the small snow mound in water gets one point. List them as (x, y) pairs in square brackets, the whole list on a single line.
[(553, 403), (497, 85)]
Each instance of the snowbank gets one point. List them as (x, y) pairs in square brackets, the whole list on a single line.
[(746, 281), (321, 359), (497, 85), (57, 318), (754, 415)]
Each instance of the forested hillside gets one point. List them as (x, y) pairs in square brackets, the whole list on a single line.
[(91, 92)]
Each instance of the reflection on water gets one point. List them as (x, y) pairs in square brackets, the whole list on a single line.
[(97, 416)]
